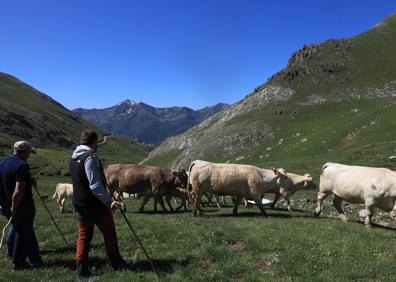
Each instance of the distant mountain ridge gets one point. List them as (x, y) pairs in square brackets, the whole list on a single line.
[(146, 123)]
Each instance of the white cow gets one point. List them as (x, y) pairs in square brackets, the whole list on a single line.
[(236, 180), (62, 192), (374, 187)]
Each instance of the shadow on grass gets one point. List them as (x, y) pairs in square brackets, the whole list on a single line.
[(71, 264), (157, 212), (376, 225), (253, 214), (163, 266), (68, 249), (350, 221), (292, 210)]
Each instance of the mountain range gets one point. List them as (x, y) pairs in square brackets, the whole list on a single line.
[(145, 123), (334, 101)]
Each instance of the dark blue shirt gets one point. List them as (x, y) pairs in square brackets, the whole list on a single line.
[(14, 169)]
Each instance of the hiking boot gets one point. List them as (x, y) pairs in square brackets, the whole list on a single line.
[(82, 270), (20, 266), (37, 264)]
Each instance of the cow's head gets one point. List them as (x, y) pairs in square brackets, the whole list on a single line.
[(308, 182), (181, 178), (283, 179), (305, 182)]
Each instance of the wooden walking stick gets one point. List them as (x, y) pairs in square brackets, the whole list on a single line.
[(3, 233), (139, 242), (49, 213)]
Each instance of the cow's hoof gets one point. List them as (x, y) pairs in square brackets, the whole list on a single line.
[(235, 213), (316, 214), (343, 218), (369, 225)]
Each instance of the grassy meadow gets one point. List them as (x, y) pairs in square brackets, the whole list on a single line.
[(220, 247)]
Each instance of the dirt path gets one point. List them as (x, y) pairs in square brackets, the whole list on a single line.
[(104, 139)]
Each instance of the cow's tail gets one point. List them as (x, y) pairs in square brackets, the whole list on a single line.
[(189, 174), (325, 166), (56, 191), (189, 186)]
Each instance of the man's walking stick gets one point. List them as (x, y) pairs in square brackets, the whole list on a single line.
[(4, 230), (139, 242), (52, 218)]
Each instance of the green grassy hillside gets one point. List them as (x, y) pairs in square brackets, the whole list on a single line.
[(334, 101), (26, 113)]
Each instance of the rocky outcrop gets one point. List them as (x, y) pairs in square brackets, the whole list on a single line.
[(306, 65)]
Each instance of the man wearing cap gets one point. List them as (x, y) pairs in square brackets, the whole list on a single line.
[(93, 204), (16, 201)]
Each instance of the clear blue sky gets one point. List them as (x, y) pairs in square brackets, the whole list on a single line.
[(91, 53)]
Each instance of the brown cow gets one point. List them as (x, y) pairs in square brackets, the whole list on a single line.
[(148, 181)]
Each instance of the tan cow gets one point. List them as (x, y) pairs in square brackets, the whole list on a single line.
[(374, 187), (148, 181), (301, 182), (62, 192), (236, 180)]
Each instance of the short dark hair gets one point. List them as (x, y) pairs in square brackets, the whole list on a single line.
[(88, 137)]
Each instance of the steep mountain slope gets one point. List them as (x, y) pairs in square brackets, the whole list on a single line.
[(26, 113), (333, 101), (146, 123)]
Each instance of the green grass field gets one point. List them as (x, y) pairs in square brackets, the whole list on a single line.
[(220, 247)]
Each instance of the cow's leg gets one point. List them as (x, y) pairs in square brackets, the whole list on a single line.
[(62, 205), (167, 199), (183, 204), (370, 205), (287, 198), (238, 200), (194, 203), (246, 203), (217, 199), (144, 202), (393, 213), (259, 204), (161, 202), (196, 197), (276, 199), (337, 201), (321, 197), (210, 199)]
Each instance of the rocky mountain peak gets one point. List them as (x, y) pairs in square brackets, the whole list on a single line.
[(129, 103)]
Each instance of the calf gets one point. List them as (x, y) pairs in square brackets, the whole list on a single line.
[(300, 182), (62, 192)]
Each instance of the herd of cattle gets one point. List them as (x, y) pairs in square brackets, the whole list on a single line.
[(373, 187)]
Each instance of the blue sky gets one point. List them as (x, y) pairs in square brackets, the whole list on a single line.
[(92, 53)]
